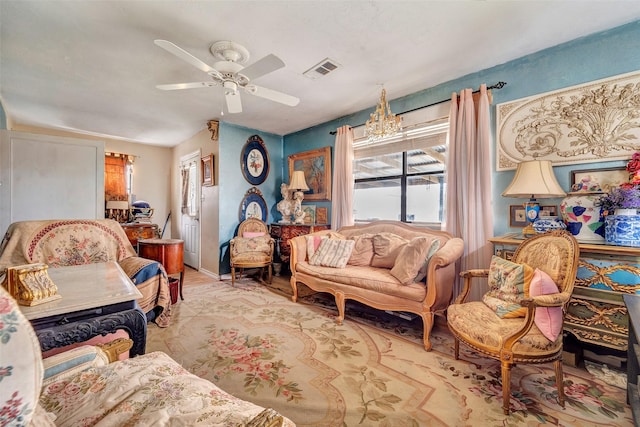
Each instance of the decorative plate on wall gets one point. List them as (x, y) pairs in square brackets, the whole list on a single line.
[(253, 205), (254, 160)]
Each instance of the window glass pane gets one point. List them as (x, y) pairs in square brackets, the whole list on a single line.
[(425, 198), (377, 200), (378, 166), (426, 160)]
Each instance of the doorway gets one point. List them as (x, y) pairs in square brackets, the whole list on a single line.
[(190, 209)]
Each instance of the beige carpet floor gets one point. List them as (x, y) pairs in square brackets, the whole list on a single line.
[(255, 343)]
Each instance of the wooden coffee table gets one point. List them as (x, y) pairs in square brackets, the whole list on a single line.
[(97, 299)]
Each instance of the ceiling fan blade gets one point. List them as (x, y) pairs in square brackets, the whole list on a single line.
[(263, 66), (234, 105), (185, 56), (176, 86), (274, 95)]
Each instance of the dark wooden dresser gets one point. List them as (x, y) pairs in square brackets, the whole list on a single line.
[(138, 231)]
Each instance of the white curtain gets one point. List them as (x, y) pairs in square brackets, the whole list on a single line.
[(342, 186), (469, 207)]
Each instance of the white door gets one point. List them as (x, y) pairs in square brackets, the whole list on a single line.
[(190, 212)]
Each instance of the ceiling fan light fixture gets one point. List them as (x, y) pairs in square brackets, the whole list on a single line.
[(230, 88)]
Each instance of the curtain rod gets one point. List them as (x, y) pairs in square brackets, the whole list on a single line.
[(498, 85)]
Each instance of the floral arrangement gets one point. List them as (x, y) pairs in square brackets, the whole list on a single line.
[(626, 195)]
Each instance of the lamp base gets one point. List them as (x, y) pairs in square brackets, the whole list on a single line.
[(529, 231)]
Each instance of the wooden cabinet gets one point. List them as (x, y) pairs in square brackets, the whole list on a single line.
[(282, 233), (632, 302), (596, 313), (168, 252), (137, 232)]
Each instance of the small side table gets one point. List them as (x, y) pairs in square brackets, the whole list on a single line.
[(285, 232), (168, 252)]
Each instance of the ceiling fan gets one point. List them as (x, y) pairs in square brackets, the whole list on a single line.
[(229, 73)]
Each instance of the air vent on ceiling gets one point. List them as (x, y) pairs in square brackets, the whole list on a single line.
[(322, 68)]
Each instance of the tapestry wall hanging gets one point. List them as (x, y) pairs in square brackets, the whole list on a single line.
[(593, 122)]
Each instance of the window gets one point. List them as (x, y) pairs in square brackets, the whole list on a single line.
[(402, 177)]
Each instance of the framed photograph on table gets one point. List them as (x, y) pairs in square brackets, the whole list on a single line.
[(207, 171), (316, 165), (548, 210), (517, 216)]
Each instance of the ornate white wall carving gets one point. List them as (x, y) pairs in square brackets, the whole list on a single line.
[(593, 122)]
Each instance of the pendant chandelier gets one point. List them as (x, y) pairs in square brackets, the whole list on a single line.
[(382, 123)]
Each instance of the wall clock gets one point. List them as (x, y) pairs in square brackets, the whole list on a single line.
[(254, 160), (253, 205)]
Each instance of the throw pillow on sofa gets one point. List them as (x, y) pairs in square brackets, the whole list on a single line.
[(411, 258), (313, 243), (509, 283), (422, 273), (362, 250), (386, 248), (333, 253)]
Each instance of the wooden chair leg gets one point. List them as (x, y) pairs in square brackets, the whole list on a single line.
[(559, 381), (506, 387), (456, 348), (270, 277), (233, 276)]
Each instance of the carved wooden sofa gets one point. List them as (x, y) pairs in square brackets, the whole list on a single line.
[(392, 266)]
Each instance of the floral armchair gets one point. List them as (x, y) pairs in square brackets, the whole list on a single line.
[(251, 248), (81, 387)]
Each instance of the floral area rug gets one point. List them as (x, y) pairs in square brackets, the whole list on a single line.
[(260, 346)]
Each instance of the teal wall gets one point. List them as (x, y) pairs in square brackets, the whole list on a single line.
[(233, 185), (605, 54)]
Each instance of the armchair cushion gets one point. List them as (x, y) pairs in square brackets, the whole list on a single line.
[(259, 244), (508, 284)]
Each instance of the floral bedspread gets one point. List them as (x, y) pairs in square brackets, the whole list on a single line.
[(149, 390)]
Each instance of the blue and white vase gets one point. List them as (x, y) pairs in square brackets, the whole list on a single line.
[(623, 229), (547, 223)]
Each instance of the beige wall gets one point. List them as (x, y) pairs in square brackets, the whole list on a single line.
[(152, 169), (209, 219)]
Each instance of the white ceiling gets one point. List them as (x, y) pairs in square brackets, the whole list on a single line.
[(92, 66)]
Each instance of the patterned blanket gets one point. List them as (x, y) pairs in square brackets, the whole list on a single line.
[(60, 243)]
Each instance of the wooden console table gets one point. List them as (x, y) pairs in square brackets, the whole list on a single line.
[(97, 299), (168, 252), (137, 231), (282, 233), (596, 313)]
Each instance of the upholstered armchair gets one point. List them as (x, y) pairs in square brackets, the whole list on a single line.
[(519, 319), (82, 387), (251, 248)]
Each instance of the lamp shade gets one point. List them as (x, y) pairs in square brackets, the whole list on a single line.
[(117, 204), (534, 179), (298, 182)]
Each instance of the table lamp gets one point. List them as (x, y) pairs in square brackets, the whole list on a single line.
[(534, 179), (298, 185)]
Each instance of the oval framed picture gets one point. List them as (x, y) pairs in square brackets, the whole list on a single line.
[(253, 205), (254, 160)]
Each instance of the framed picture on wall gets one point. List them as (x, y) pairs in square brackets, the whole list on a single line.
[(316, 165), (310, 211), (607, 177), (207, 171)]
